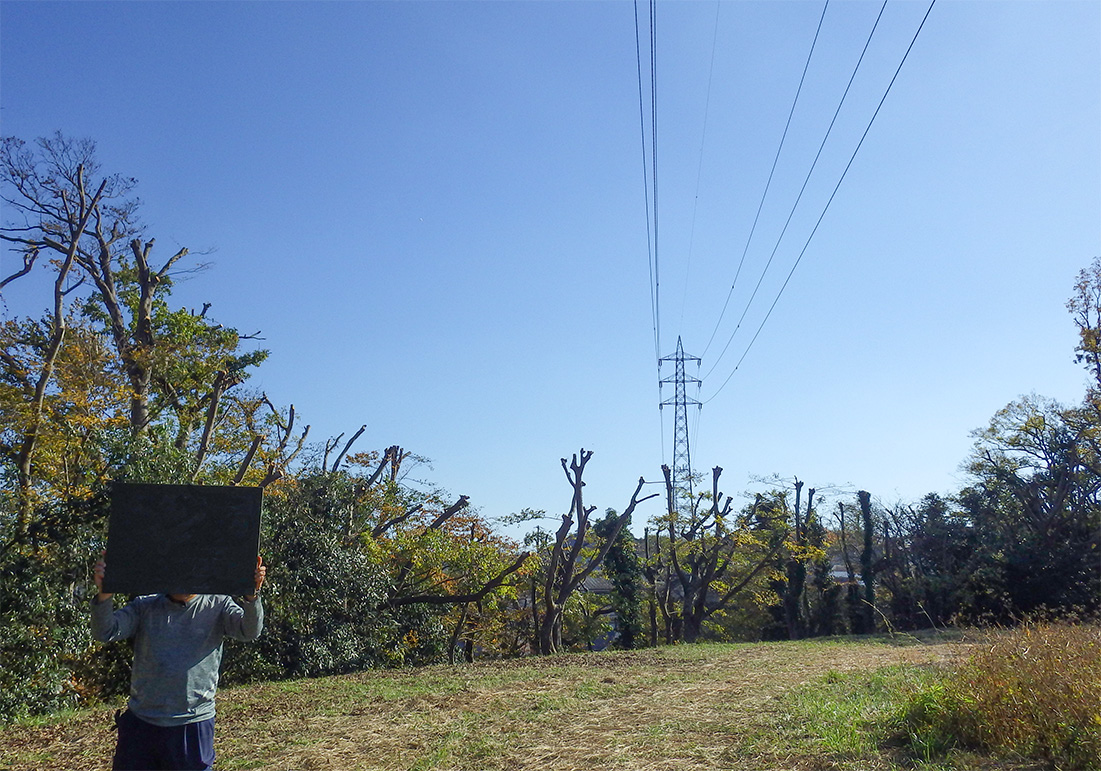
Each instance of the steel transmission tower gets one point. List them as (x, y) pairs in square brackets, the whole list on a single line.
[(682, 455)]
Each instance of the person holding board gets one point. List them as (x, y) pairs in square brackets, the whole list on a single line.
[(169, 720)]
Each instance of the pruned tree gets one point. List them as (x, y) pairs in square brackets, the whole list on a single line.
[(441, 555), (927, 562), (568, 564), (375, 570), (824, 615), (853, 608), (800, 609), (712, 556), (274, 445), (867, 562), (657, 573), (799, 553)]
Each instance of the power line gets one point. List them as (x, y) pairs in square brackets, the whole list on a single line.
[(771, 172), (699, 167), (651, 257), (654, 162), (799, 197), (650, 177), (828, 202)]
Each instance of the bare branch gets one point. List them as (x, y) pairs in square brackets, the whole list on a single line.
[(450, 511), (160, 274), (330, 445), (381, 528), (243, 468), (29, 258), (457, 599), (220, 383), (390, 452), (609, 540), (351, 441)]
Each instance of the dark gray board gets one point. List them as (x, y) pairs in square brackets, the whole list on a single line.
[(182, 539)]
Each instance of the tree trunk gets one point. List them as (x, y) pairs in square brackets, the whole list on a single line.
[(550, 632), (76, 226), (455, 635), (691, 625), (867, 569)]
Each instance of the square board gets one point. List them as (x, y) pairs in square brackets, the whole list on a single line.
[(182, 539)]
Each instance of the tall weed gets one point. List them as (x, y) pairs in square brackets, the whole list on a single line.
[(1034, 691)]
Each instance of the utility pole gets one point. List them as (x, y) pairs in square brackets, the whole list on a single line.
[(682, 455)]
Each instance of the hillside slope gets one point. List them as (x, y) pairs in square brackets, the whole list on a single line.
[(683, 708)]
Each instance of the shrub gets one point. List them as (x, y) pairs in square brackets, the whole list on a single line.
[(49, 660), (1034, 691)]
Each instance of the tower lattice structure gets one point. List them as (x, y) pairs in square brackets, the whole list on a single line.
[(682, 451)]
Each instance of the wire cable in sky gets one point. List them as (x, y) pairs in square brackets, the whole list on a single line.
[(799, 197), (651, 211), (828, 202), (775, 160), (654, 163), (699, 167), (650, 256)]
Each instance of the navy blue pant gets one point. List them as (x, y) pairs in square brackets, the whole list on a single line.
[(144, 747)]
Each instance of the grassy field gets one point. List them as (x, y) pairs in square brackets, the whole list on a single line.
[(802, 705)]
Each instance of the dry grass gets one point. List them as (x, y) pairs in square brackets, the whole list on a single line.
[(684, 708), (1033, 691)]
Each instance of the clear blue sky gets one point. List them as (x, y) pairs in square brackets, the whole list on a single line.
[(435, 213)]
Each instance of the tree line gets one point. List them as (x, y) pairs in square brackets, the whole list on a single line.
[(113, 382)]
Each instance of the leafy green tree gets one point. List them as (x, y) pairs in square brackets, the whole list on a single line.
[(928, 572), (623, 568), (108, 384), (54, 443), (44, 636), (1085, 308), (323, 590), (1035, 507)]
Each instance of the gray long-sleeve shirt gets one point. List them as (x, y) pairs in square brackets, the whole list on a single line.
[(177, 650)]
